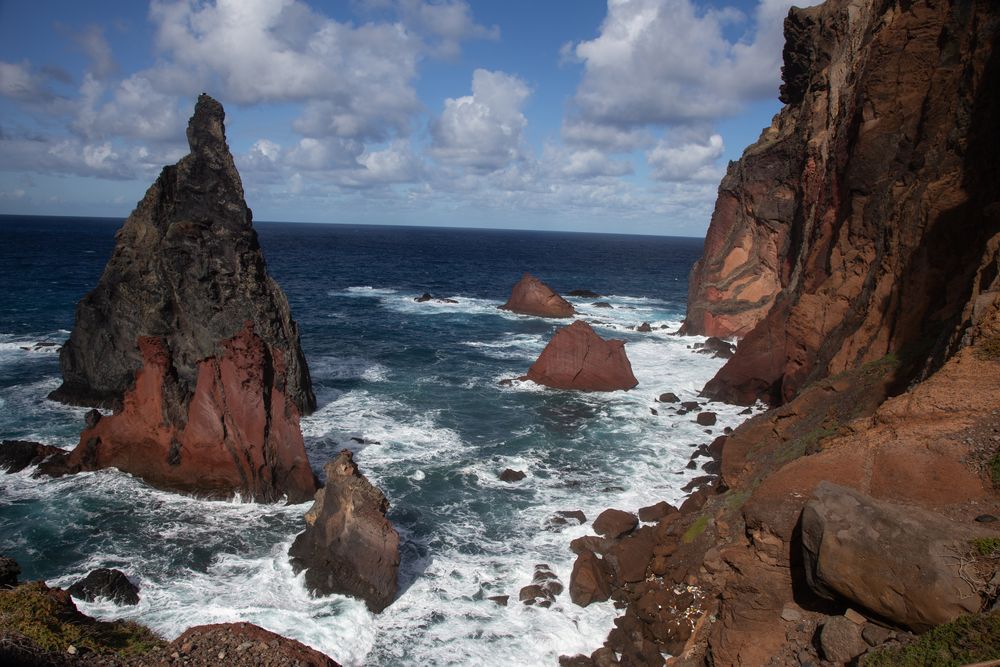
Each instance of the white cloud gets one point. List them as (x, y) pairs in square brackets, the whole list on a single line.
[(606, 137), (441, 24), (687, 160), (482, 131), (97, 49), (661, 62), (587, 163)]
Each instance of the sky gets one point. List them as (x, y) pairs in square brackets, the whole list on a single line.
[(577, 115)]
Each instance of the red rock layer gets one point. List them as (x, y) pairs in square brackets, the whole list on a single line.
[(240, 432), (349, 546), (531, 296), (864, 221), (577, 358)]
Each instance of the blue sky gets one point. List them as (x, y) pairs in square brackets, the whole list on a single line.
[(613, 116)]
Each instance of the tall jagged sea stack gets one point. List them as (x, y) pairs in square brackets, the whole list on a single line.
[(191, 342)]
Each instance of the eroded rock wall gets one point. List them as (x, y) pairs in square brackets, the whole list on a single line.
[(864, 221)]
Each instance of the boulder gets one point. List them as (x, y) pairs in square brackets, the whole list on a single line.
[(590, 580), (577, 358), (901, 562), (238, 433), (656, 512), (349, 546), (531, 296), (187, 267), (644, 328), (9, 569), (509, 475), (840, 640), (612, 523), (602, 304), (191, 343), (16, 455), (706, 418), (716, 347), (239, 645), (668, 397), (423, 298), (106, 583)]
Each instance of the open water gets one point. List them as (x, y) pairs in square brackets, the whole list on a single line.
[(419, 382)]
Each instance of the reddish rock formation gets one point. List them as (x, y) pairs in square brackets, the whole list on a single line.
[(348, 546), (577, 358), (531, 296), (864, 220), (239, 645), (239, 432), (186, 268)]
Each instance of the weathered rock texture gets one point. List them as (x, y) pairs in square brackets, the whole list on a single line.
[(531, 296), (106, 583), (192, 342), (349, 546), (186, 268), (238, 432), (864, 221), (577, 358), (903, 563)]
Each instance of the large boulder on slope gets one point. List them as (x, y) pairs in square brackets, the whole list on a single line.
[(531, 296), (238, 433), (901, 562), (349, 546), (577, 358), (186, 267)]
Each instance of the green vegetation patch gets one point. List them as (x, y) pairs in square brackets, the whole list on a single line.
[(695, 529), (53, 626), (988, 547), (989, 348), (994, 468), (969, 639)]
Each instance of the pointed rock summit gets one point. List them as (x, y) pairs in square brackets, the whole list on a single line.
[(531, 296), (348, 546), (191, 343), (577, 358), (186, 267)]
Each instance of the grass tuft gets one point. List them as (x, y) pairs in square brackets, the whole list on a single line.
[(969, 639)]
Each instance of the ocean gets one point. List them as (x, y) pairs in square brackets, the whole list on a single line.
[(413, 389)]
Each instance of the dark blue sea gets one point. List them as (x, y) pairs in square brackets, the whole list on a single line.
[(413, 389)]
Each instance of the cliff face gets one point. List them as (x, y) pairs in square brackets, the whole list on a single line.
[(864, 221), (186, 267)]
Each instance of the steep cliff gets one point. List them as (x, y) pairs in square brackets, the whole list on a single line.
[(864, 221), (186, 267)]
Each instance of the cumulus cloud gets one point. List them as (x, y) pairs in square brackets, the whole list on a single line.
[(665, 62), (482, 131), (687, 159), (587, 163)]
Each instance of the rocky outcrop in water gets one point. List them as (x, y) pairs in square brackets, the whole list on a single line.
[(238, 432), (193, 342), (577, 358), (187, 268), (531, 296), (349, 546), (16, 455), (864, 221), (106, 583)]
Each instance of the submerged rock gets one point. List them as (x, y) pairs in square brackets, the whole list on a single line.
[(577, 358), (531, 296), (191, 342), (187, 268), (106, 583), (511, 475), (349, 546)]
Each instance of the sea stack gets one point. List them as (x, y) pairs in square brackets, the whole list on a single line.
[(191, 342), (531, 296), (349, 546), (577, 358)]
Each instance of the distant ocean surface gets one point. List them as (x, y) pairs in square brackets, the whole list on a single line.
[(419, 382)]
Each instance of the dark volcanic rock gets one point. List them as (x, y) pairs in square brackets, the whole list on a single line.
[(9, 569), (531, 296), (584, 293), (423, 298), (510, 475), (238, 433), (602, 304), (668, 397), (348, 546), (716, 347), (706, 418), (186, 268), (577, 358), (16, 455), (191, 341), (106, 583), (859, 224), (644, 328)]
